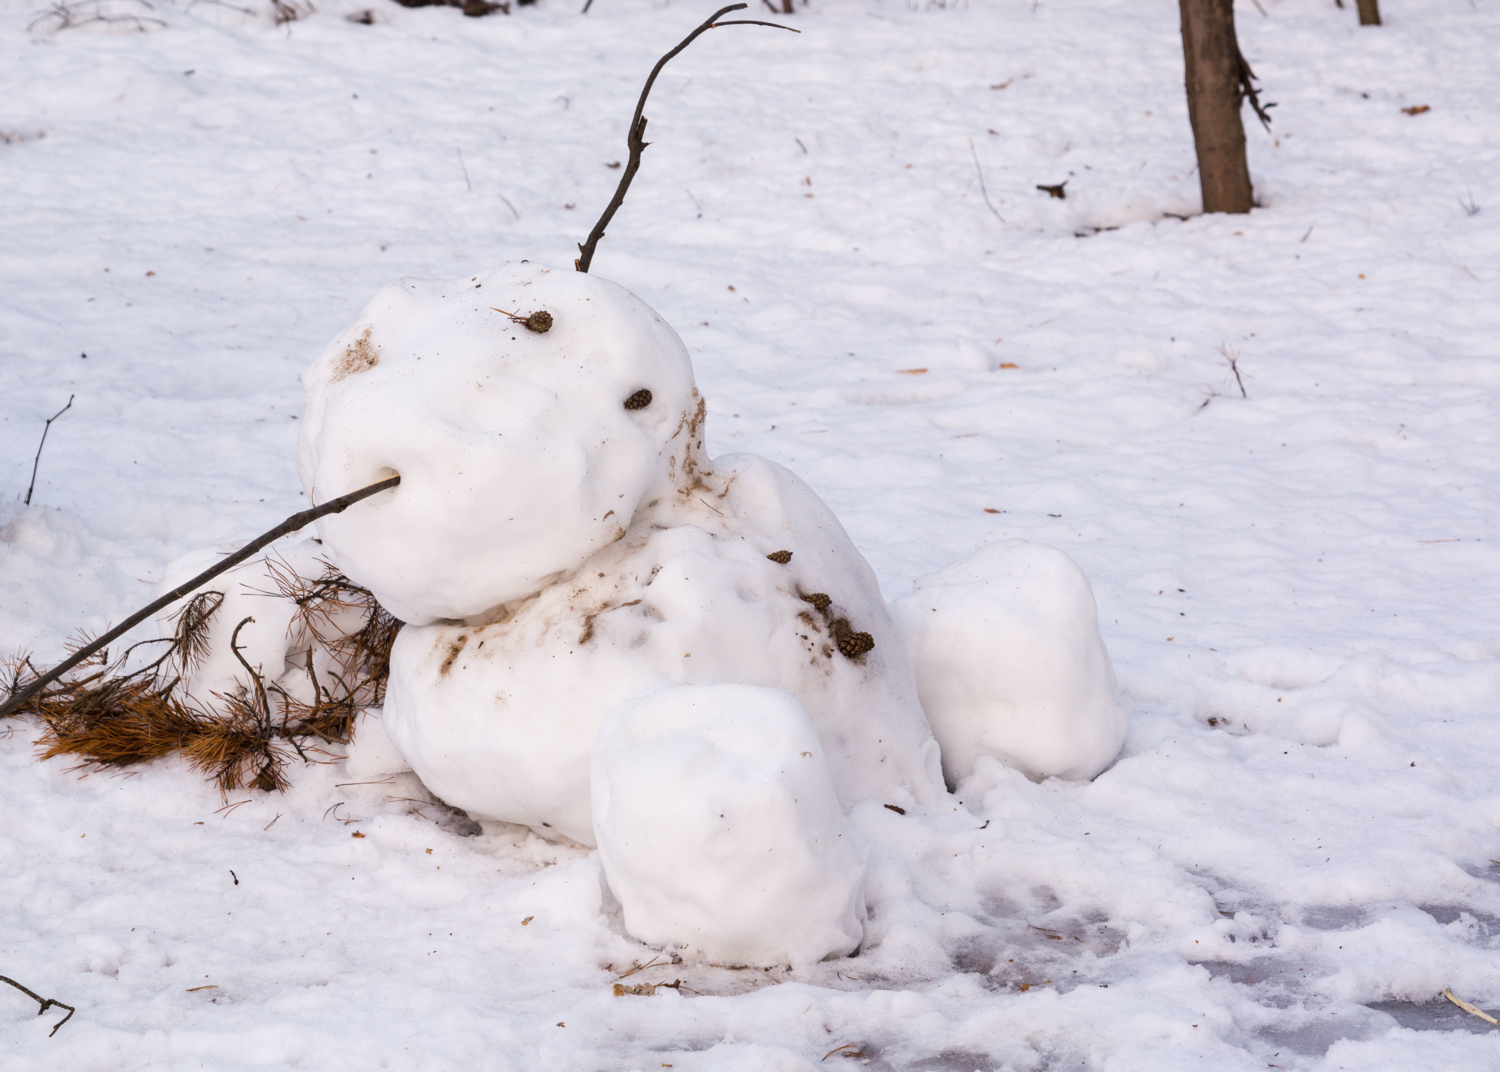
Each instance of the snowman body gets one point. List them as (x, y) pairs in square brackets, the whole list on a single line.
[(499, 718), (559, 544)]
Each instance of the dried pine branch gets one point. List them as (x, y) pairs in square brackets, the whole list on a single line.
[(111, 716), (21, 693)]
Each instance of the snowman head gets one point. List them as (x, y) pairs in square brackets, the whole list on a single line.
[(521, 452)]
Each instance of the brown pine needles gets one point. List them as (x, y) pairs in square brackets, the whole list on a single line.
[(110, 716)]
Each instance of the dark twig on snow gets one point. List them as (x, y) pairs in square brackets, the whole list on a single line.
[(45, 1003), (636, 138), (38, 459), (291, 524), (1233, 357), (982, 188), (1247, 89)]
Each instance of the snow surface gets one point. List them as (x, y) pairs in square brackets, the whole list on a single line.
[(1293, 854), (719, 829), (1009, 663)]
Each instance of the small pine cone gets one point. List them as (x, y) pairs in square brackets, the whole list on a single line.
[(640, 400), (853, 645), (539, 322), (850, 643), (819, 600), (781, 558)]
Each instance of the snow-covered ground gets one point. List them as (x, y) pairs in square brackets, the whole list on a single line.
[(1295, 853)]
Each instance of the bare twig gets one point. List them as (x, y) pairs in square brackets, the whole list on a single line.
[(45, 1003), (47, 427), (641, 967), (1233, 357), (334, 506), (1447, 993), (982, 188), (636, 138), (1247, 81), (1470, 207)]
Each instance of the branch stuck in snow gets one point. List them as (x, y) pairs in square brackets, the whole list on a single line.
[(38, 459), (45, 1003), (21, 694), (636, 138)]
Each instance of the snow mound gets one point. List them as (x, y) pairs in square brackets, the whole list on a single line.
[(1009, 663), (720, 831), (271, 638), (498, 719), (521, 452)]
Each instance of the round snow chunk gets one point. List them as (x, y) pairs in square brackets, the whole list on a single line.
[(720, 831), (1009, 663), (257, 600), (521, 452), (498, 718)]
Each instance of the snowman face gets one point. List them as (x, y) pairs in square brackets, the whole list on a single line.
[(521, 452)]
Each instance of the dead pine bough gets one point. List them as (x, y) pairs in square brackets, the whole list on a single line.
[(106, 713)]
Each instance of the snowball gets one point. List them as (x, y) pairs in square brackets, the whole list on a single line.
[(517, 454), (1009, 663), (498, 719), (719, 829), (271, 639)]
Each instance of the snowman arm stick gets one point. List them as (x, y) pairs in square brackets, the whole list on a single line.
[(636, 139), (291, 524)]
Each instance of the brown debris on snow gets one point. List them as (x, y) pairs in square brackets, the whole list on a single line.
[(112, 717)]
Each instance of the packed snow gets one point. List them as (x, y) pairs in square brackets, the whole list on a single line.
[(254, 625), (719, 829), (1009, 663), (517, 455), (498, 717), (1293, 854)]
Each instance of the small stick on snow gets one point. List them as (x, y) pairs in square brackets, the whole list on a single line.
[(291, 524), (1460, 1002), (1233, 357), (47, 1003), (636, 141), (982, 188), (38, 459), (641, 967)]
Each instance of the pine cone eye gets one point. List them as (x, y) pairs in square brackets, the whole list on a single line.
[(640, 400)]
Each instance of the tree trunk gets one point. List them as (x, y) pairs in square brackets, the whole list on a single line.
[(1212, 56), (1369, 12)]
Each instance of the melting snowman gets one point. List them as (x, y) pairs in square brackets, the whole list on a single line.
[(680, 660)]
